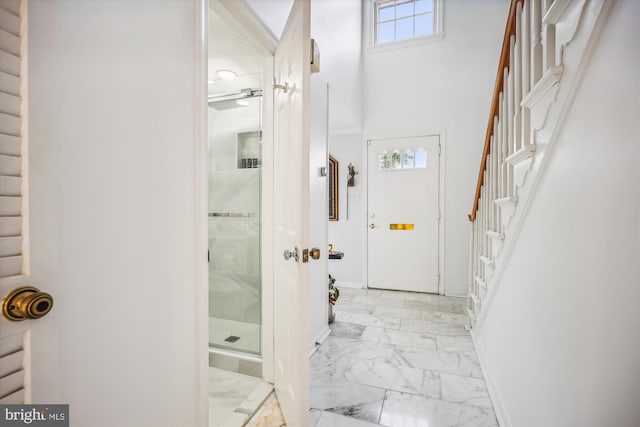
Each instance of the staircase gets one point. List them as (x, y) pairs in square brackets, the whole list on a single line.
[(544, 51)]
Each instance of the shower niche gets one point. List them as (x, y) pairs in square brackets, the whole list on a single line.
[(249, 154)]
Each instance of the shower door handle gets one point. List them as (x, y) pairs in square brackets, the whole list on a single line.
[(295, 254)]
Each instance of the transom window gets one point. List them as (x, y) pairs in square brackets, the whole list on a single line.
[(403, 19)]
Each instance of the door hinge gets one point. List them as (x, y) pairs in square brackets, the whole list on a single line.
[(438, 279), (439, 149), (284, 87)]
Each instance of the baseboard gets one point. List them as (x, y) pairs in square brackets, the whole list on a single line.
[(315, 343), (354, 285), (494, 392)]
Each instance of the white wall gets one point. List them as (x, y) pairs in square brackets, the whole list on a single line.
[(336, 27), (347, 235), (442, 86), (561, 338), (112, 158), (340, 69)]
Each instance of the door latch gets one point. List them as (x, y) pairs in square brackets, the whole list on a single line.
[(295, 254)]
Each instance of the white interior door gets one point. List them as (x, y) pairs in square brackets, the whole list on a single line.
[(291, 130), (111, 229), (403, 214), (25, 304)]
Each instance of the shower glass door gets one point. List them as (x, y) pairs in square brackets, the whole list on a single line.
[(235, 139)]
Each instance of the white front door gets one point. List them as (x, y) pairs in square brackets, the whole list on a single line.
[(403, 214), (291, 281)]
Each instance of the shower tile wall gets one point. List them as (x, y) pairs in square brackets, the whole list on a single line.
[(234, 242)]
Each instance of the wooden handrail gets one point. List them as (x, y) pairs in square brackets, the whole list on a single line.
[(509, 31)]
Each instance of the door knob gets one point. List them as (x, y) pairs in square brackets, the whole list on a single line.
[(26, 302), (315, 253), (295, 254), (372, 226)]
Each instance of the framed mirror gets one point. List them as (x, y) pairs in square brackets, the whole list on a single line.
[(333, 189)]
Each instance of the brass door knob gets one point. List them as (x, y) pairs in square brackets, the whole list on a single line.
[(26, 302), (315, 253)]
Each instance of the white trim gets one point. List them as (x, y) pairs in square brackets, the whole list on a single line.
[(555, 12), (267, 226), (549, 79), (522, 154), (248, 24), (350, 285), (201, 202), (494, 392), (319, 339), (510, 201), (235, 354), (441, 134)]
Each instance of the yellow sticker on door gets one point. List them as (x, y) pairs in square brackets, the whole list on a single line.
[(400, 226)]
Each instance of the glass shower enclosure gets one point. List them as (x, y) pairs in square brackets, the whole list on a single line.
[(235, 138)]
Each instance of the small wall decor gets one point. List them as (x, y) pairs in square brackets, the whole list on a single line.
[(351, 182)]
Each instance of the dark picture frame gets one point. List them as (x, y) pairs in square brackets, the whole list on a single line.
[(333, 189)]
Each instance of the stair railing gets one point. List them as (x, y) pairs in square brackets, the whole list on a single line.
[(528, 51)]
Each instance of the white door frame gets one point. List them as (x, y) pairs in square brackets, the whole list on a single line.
[(441, 134), (260, 38)]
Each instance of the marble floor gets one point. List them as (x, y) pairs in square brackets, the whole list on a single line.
[(234, 397), (398, 359)]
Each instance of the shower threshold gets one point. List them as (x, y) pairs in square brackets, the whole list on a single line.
[(235, 361)]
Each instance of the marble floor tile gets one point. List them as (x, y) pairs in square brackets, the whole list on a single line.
[(439, 316), (452, 308), (334, 348), (329, 419), (414, 346), (409, 296), (407, 410), (401, 312), (467, 390), (432, 328), (325, 365), (355, 400), (341, 329), (379, 301), (269, 415), (352, 291), (355, 307), (393, 376), (457, 363), (455, 343), (399, 338), (368, 319), (227, 390), (314, 416)]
